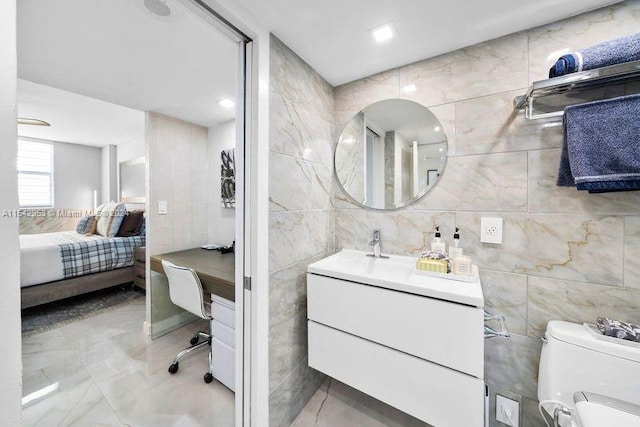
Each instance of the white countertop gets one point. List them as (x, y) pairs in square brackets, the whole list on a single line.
[(396, 273)]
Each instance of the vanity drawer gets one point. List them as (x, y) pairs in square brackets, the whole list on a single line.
[(437, 395), (446, 333)]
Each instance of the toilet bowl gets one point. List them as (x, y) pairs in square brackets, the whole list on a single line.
[(577, 358)]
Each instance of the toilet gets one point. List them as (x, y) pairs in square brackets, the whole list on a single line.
[(587, 379)]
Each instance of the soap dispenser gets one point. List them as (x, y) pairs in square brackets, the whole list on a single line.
[(437, 245), (455, 250)]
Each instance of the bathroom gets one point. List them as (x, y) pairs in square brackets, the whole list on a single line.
[(566, 254)]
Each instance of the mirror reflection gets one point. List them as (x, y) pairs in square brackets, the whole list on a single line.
[(390, 154)]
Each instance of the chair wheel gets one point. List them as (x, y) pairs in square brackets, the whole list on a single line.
[(208, 377), (194, 341), (173, 368)]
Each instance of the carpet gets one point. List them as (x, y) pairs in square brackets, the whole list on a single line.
[(53, 315)]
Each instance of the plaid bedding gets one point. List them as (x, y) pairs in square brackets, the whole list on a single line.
[(95, 256)]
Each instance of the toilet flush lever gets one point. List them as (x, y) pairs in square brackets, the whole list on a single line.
[(490, 332)]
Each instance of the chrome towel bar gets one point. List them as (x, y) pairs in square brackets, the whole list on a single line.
[(490, 332)]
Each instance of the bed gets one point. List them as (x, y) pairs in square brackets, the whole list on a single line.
[(60, 265)]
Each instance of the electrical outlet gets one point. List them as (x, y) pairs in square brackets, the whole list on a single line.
[(507, 411), (491, 230)]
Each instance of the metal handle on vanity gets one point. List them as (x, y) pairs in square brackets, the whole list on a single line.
[(490, 332)]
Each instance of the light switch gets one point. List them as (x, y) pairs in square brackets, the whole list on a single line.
[(162, 207)]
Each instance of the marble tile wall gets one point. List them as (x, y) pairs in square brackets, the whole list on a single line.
[(566, 254), (301, 221), (178, 173), (350, 155)]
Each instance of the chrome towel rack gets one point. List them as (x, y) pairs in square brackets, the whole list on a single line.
[(490, 332), (547, 98)]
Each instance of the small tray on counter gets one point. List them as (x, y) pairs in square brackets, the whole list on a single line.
[(451, 276)]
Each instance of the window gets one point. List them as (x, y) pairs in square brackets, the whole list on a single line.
[(35, 174)]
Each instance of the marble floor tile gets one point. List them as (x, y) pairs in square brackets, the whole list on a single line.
[(47, 358), (104, 371), (74, 400), (336, 404)]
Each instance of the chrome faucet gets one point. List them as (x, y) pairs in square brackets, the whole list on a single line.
[(376, 245)]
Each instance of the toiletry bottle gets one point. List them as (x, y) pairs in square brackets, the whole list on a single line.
[(455, 250), (437, 245)]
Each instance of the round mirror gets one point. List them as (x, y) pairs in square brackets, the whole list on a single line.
[(390, 154)]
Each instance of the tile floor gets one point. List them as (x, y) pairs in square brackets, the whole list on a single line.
[(338, 405), (102, 371)]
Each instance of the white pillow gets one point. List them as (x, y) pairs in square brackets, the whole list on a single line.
[(110, 217)]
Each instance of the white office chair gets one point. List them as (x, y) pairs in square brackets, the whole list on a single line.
[(185, 291)]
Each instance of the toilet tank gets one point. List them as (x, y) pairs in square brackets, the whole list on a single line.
[(577, 358)]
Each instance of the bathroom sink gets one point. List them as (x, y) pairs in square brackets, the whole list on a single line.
[(412, 341), (396, 273)]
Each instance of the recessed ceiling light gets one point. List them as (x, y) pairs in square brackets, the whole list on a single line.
[(162, 10), (437, 128), (227, 103), (409, 88), (158, 7), (384, 32)]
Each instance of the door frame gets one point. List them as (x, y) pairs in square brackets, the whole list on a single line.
[(252, 177)]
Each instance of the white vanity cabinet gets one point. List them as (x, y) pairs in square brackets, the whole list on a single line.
[(411, 341)]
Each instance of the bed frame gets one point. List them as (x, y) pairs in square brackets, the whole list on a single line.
[(61, 289)]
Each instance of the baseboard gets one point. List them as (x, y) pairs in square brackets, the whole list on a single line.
[(146, 329)]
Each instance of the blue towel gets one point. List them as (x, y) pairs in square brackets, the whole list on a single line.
[(611, 52), (601, 146), (609, 186)]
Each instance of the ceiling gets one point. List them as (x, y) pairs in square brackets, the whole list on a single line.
[(333, 35), (75, 118), (117, 51)]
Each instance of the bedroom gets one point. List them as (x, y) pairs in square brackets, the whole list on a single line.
[(121, 116), (66, 171)]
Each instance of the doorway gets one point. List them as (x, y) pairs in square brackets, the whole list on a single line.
[(65, 69)]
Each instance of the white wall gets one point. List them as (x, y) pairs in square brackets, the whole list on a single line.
[(130, 150), (222, 220), (179, 175), (10, 361), (77, 172), (109, 173)]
